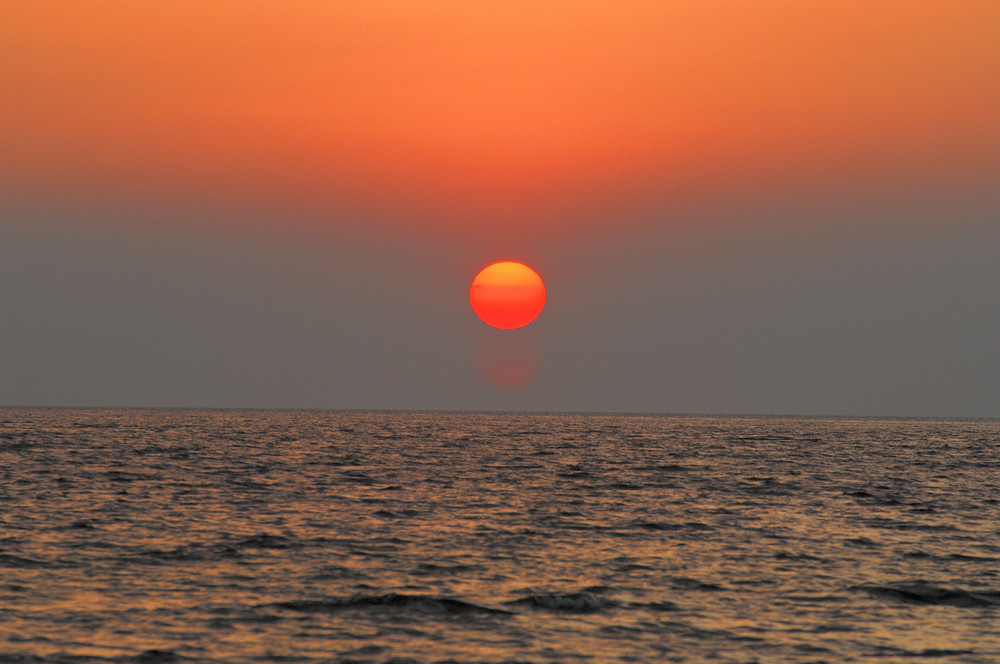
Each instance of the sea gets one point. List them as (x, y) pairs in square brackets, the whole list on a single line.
[(159, 535)]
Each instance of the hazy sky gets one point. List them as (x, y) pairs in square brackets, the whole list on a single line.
[(737, 207)]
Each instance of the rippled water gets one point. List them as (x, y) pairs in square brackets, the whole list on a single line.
[(236, 536)]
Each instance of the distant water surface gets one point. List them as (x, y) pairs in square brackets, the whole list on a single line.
[(241, 536)]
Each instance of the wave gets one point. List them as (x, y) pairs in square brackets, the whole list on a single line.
[(418, 603), (920, 592), (401, 514), (662, 605), (191, 553), (662, 525), (685, 583), (10, 560), (156, 656), (568, 602), (267, 541), (202, 551), (940, 652)]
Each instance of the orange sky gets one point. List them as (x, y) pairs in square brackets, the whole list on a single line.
[(451, 107)]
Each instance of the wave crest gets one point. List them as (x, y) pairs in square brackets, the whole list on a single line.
[(570, 602), (418, 603), (920, 592)]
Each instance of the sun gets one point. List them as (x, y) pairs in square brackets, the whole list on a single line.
[(507, 295)]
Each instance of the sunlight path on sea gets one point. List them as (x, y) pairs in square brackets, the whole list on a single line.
[(173, 535)]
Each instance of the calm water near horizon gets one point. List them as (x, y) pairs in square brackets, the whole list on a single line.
[(130, 535)]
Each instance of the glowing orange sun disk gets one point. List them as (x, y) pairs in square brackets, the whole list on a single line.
[(507, 295)]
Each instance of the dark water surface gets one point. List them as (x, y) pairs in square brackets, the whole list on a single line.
[(242, 536)]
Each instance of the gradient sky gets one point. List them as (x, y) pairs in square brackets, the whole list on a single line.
[(772, 206)]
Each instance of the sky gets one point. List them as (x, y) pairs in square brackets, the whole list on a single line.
[(765, 206)]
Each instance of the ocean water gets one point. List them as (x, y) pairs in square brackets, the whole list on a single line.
[(258, 536)]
